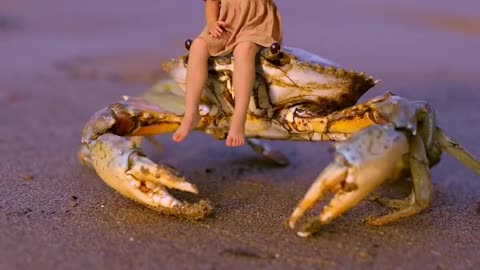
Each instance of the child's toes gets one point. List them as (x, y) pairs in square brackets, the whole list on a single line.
[(229, 141), (177, 137), (238, 141)]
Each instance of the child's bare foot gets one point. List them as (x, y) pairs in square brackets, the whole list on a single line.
[(235, 137), (187, 125)]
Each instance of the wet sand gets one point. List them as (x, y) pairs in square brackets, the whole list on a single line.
[(62, 62)]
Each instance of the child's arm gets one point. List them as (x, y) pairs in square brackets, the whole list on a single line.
[(211, 15)]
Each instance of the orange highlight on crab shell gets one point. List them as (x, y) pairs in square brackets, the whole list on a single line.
[(350, 125), (156, 129)]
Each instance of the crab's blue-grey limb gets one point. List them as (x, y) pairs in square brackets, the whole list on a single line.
[(421, 196), (265, 150), (413, 116), (419, 117), (83, 155), (155, 143), (362, 163), (455, 150)]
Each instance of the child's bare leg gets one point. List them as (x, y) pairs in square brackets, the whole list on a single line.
[(197, 73), (243, 81)]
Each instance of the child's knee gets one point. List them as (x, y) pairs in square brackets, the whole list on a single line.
[(246, 47), (199, 44)]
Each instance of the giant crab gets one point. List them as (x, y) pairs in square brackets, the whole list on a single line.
[(297, 96)]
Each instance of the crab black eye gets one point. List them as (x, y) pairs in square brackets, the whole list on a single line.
[(275, 56), (275, 48), (188, 44)]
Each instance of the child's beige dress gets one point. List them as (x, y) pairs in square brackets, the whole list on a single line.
[(257, 21)]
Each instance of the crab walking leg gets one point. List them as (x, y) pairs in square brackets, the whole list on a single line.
[(422, 185), (328, 180), (265, 150), (429, 125), (393, 203), (155, 143), (455, 150)]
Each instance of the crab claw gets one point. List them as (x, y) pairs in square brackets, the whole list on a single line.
[(123, 167), (112, 149), (361, 164)]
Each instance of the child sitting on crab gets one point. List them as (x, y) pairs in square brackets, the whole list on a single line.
[(254, 25)]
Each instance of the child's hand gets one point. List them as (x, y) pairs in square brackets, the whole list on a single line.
[(216, 28)]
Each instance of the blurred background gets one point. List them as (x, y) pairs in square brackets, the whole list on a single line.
[(377, 36), (60, 61)]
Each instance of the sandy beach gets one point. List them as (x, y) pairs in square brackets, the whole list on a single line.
[(61, 62)]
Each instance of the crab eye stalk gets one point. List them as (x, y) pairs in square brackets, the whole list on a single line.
[(274, 55), (275, 48), (188, 44)]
